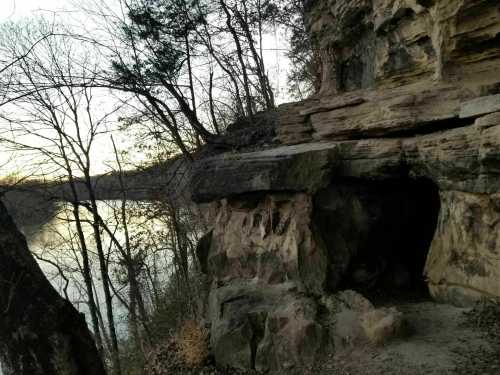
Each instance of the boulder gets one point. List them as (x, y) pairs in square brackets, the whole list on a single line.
[(344, 311), (264, 327), (382, 325), (353, 320)]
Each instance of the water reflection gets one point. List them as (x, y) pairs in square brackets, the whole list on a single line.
[(58, 251)]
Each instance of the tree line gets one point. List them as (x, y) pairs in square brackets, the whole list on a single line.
[(172, 74)]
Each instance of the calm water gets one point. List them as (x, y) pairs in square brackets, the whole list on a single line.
[(57, 242)]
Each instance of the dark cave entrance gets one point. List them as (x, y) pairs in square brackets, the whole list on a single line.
[(378, 235)]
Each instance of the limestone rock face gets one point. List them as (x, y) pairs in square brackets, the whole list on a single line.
[(464, 259), (391, 171), (264, 259), (269, 239), (395, 42)]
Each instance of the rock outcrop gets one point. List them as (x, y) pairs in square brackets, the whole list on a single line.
[(392, 170), (40, 332)]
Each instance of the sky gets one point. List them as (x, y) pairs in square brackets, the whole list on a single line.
[(14, 10)]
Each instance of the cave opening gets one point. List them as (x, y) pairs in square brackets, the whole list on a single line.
[(378, 235)]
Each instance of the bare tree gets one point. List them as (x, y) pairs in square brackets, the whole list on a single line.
[(40, 332), (58, 121)]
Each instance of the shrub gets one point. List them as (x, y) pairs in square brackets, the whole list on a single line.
[(188, 349), (192, 341)]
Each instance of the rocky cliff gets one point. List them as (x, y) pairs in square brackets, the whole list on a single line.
[(389, 177)]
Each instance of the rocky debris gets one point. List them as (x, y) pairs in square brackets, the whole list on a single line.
[(382, 325), (353, 320), (264, 327), (441, 342), (343, 319), (350, 300)]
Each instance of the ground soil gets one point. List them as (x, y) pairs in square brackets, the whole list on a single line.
[(443, 340)]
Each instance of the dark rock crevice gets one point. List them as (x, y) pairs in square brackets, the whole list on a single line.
[(409, 130), (377, 233), (432, 127)]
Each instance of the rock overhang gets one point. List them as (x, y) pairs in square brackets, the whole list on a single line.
[(409, 99), (465, 158)]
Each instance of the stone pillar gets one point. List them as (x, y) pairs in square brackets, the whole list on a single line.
[(464, 260), (266, 265)]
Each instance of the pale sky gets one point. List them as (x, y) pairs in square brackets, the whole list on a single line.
[(13, 10)]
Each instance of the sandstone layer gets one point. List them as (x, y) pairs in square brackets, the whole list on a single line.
[(389, 173)]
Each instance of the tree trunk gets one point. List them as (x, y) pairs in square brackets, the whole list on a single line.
[(87, 277), (239, 52), (40, 332), (86, 271), (108, 300)]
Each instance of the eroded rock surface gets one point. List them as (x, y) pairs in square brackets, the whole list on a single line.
[(464, 260), (402, 142), (266, 263)]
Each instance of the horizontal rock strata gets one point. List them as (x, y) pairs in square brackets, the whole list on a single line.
[(391, 171)]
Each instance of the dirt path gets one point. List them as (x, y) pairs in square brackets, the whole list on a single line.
[(439, 343)]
